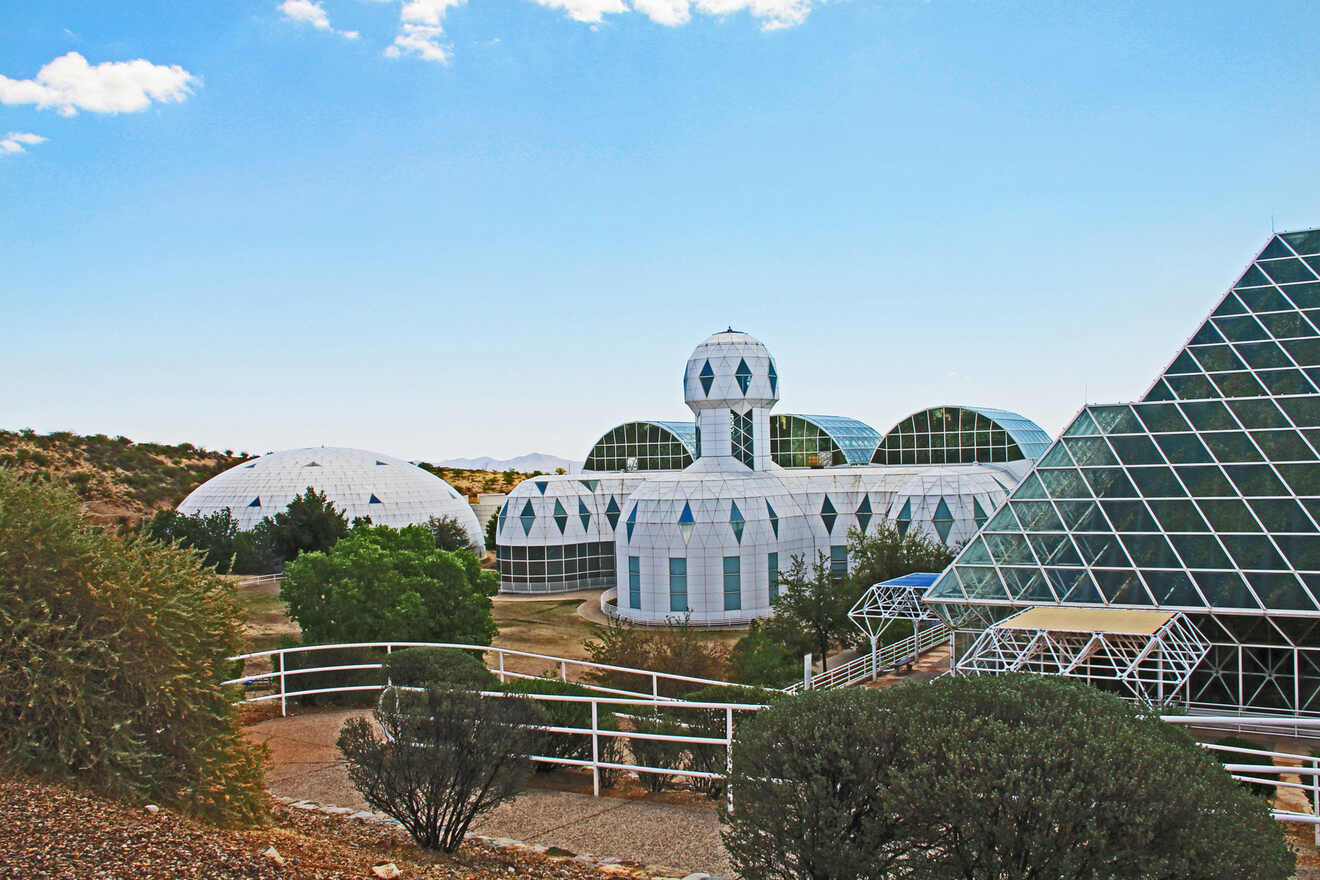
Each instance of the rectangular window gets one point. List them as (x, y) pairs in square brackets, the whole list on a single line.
[(732, 583), (773, 565), (678, 585), (839, 560), (634, 582)]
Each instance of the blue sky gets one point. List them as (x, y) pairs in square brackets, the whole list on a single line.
[(442, 228)]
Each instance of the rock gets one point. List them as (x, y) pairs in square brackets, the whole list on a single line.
[(558, 852), (386, 871), (272, 855), (700, 875), (152, 809), (364, 816), (617, 869), (659, 871), (610, 860)]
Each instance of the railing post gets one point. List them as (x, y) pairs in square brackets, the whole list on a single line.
[(388, 650), (501, 653), (1315, 797), (284, 710), (875, 661), (728, 758), (595, 748), (563, 670), (806, 672), (655, 686)]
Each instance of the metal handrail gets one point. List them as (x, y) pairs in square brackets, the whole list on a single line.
[(871, 664)]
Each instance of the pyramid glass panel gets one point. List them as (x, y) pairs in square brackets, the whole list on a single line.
[(1207, 504), (560, 516), (528, 517)]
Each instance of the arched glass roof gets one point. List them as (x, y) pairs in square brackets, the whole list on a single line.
[(645, 446), (962, 435), (819, 441)]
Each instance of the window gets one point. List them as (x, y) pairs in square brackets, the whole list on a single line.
[(634, 582), (678, 584), (732, 583), (839, 560), (772, 563), (740, 432)]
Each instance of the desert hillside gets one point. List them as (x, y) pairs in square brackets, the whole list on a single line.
[(122, 483)]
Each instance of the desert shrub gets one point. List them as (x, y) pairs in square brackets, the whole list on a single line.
[(424, 667), (449, 534), (714, 723), (382, 584), (456, 756), (760, 659), (676, 648), (987, 777), (658, 753), (112, 654), (557, 714), (1260, 789)]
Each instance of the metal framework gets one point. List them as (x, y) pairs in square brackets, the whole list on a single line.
[(896, 599), (1150, 653)]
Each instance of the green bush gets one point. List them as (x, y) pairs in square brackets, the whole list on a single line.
[(658, 753), (426, 667), (382, 584), (112, 651), (760, 659), (557, 714), (987, 777)]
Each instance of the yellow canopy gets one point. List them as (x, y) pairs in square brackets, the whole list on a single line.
[(1118, 621)]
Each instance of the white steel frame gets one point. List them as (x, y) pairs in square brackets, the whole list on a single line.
[(1154, 667), (886, 602)]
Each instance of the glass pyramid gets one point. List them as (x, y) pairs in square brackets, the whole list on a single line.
[(1203, 497)]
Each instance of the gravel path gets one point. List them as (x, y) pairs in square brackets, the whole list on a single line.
[(305, 765)]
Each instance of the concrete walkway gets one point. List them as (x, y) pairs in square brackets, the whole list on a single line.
[(306, 765)]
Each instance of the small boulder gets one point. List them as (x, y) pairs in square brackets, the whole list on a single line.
[(152, 809), (272, 855), (386, 871)]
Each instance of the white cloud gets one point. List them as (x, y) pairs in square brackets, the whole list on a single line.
[(430, 12), (666, 12), (314, 14), (70, 84), (18, 141), (422, 40), (586, 10)]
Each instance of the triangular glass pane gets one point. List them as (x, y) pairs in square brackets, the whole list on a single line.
[(774, 379), (774, 518), (1159, 391), (373, 500), (1116, 420), (1184, 363), (947, 587), (1230, 306), (1287, 325), (1282, 591), (1009, 549), (1064, 483), (1122, 587), (1264, 299), (1225, 589), (684, 517), (942, 513), (1054, 549), (1101, 550), (1074, 513), (528, 516), (1275, 250), (255, 502), (1027, 584), (1075, 586), (943, 527), (975, 554), (584, 515), (1207, 335), (1240, 329), (612, 513), (1129, 516), (1253, 277), (1304, 242), (978, 512), (1004, 521), (632, 521), (1201, 552), (540, 485), (1056, 457), (981, 583), (744, 376), (1090, 451), (1161, 417), (1287, 271), (1031, 488), (1196, 387), (1109, 483), (590, 484), (560, 516), (1082, 425)]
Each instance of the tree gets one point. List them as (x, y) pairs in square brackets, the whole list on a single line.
[(492, 527), (676, 648), (885, 553), (112, 654), (987, 777), (452, 755), (815, 602), (382, 584), (311, 523), (761, 659), (213, 535), (449, 534)]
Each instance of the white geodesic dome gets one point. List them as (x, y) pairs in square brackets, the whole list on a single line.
[(391, 491)]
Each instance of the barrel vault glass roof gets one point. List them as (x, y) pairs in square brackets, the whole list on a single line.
[(645, 446), (794, 438), (961, 435), (1205, 496)]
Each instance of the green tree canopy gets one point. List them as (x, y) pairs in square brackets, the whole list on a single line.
[(449, 533), (884, 553), (815, 602), (383, 584), (112, 651), (984, 778), (214, 535), (311, 523)]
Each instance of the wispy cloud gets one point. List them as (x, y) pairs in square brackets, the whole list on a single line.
[(314, 14), (18, 142), (70, 84)]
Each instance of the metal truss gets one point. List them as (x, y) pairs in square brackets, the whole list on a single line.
[(1150, 653), (897, 599)]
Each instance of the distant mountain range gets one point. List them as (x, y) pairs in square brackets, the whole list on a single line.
[(525, 464)]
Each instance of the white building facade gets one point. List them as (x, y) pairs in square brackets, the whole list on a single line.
[(708, 541)]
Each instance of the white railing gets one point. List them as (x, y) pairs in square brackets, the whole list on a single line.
[(870, 665), (260, 580), (607, 706), (278, 677)]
